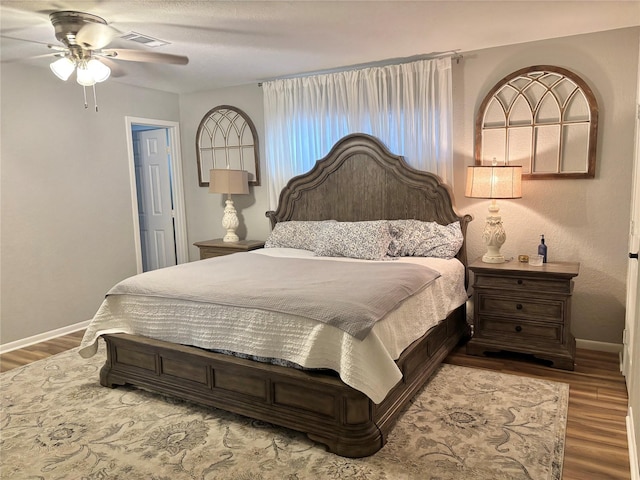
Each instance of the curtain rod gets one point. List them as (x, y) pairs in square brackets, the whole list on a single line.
[(381, 63)]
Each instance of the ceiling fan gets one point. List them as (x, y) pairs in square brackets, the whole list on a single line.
[(84, 39)]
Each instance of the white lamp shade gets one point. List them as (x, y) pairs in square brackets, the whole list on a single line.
[(84, 76), (99, 70), (63, 68), (225, 180), (494, 182)]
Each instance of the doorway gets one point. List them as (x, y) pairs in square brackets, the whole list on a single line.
[(156, 193)]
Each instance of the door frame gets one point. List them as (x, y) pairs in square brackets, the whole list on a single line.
[(177, 190)]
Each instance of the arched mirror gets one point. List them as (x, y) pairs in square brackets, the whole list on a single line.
[(543, 118), (227, 138)]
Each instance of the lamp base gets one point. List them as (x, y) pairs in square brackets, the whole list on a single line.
[(488, 258), (230, 221), (493, 235), (231, 238)]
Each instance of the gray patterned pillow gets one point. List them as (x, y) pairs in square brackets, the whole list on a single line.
[(364, 240), (295, 234), (413, 238)]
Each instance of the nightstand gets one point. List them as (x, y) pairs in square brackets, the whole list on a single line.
[(217, 248), (525, 309)]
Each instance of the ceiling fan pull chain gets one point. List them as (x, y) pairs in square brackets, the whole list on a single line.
[(95, 99), (84, 91)]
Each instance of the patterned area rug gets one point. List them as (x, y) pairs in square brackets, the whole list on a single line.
[(57, 422)]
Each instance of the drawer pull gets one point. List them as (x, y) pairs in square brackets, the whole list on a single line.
[(518, 328), (518, 306), (520, 281)]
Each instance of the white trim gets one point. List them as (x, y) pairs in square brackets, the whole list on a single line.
[(182, 248), (43, 337), (633, 447), (599, 346)]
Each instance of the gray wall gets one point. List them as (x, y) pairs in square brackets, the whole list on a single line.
[(67, 233), (67, 225)]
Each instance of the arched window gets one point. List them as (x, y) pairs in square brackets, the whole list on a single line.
[(227, 138), (543, 118)]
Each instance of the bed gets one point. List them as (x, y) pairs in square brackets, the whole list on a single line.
[(361, 182)]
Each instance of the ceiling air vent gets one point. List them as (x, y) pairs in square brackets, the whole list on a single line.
[(144, 39)]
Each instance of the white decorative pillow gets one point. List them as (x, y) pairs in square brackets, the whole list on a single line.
[(295, 234), (413, 238), (365, 240)]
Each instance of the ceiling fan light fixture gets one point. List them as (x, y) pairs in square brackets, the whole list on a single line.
[(63, 68), (99, 70), (84, 76)]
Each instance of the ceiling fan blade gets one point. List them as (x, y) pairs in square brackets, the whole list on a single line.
[(116, 70), (142, 56), (35, 42), (44, 55), (32, 57), (95, 35)]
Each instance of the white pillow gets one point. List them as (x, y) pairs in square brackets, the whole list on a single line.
[(295, 234), (367, 240), (413, 238)]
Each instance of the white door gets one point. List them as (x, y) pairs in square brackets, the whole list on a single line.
[(155, 209), (631, 347)]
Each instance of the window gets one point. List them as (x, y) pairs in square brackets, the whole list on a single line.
[(543, 118), (227, 138)]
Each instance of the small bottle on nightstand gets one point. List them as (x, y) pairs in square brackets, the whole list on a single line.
[(542, 249)]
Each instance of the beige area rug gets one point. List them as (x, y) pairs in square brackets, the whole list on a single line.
[(57, 422)]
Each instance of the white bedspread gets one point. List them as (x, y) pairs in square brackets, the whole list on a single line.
[(366, 365)]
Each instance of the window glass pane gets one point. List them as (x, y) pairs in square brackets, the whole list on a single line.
[(493, 146), (577, 109), (506, 95), (495, 115), (550, 79), (520, 83), (534, 93), (519, 140), (548, 111), (575, 144), (547, 145), (520, 114), (564, 89)]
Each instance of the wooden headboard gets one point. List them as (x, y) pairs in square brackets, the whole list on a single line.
[(360, 179)]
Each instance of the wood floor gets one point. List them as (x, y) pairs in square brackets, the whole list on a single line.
[(596, 442)]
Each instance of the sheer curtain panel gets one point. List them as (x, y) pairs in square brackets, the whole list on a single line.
[(407, 106)]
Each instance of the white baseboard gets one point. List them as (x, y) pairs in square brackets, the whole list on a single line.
[(633, 447), (599, 346), (42, 337)]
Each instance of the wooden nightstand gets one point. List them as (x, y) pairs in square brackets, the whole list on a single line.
[(525, 309), (217, 248)]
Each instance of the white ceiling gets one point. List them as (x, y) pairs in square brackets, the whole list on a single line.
[(239, 42)]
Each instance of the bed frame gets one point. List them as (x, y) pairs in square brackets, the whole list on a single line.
[(358, 180)]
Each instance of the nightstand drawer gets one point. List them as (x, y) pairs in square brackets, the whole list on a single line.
[(519, 307), (522, 284), (520, 331), (210, 252)]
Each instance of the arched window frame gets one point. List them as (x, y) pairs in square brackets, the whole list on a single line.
[(227, 137), (518, 82)]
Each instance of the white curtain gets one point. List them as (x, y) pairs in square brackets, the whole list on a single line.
[(407, 106)]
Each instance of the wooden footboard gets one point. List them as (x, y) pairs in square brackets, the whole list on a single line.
[(316, 403)]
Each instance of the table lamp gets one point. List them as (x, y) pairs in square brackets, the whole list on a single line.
[(494, 182), (225, 180)]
